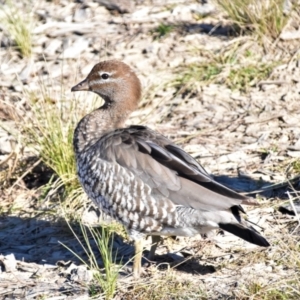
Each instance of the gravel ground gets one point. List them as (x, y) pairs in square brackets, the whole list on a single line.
[(248, 139)]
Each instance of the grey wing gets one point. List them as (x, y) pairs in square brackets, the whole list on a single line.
[(167, 169)]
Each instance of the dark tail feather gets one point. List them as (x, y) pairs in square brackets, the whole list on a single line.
[(248, 234)]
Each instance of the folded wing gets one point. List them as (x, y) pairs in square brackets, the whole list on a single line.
[(167, 169)]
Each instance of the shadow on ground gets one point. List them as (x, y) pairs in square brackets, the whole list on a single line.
[(42, 241), (206, 28), (47, 242)]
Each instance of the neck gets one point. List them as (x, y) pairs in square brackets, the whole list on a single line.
[(96, 124)]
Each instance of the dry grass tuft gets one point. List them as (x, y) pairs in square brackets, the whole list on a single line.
[(104, 284), (19, 26), (283, 255), (48, 130), (236, 66), (265, 18), (164, 287)]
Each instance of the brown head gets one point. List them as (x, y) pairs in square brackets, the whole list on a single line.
[(120, 88), (116, 83)]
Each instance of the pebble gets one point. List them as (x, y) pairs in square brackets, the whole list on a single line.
[(75, 49), (9, 263)]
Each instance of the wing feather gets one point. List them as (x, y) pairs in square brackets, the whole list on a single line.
[(167, 169)]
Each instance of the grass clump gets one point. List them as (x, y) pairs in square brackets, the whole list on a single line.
[(169, 286), (265, 18), (108, 280), (257, 291), (50, 132), (104, 284), (235, 71), (201, 72), (49, 128), (19, 26), (162, 30), (295, 164), (243, 77)]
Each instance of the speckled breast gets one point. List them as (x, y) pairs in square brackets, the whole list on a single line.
[(122, 195)]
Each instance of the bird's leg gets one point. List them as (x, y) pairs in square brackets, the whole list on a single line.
[(137, 262), (155, 240)]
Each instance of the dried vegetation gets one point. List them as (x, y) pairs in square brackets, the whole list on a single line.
[(222, 81)]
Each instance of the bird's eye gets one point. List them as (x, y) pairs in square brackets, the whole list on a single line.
[(104, 76)]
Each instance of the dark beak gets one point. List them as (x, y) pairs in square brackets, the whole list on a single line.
[(81, 86)]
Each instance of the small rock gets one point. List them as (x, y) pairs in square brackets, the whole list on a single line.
[(290, 35), (122, 6), (202, 10), (268, 87), (53, 46), (177, 61), (9, 262), (293, 153), (141, 13), (81, 273), (76, 49), (6, 145), (26, 71), (80, 15)]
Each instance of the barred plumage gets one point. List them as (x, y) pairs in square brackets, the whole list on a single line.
[(140, 178)]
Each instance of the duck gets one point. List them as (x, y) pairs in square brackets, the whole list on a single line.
[(140, 178)]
